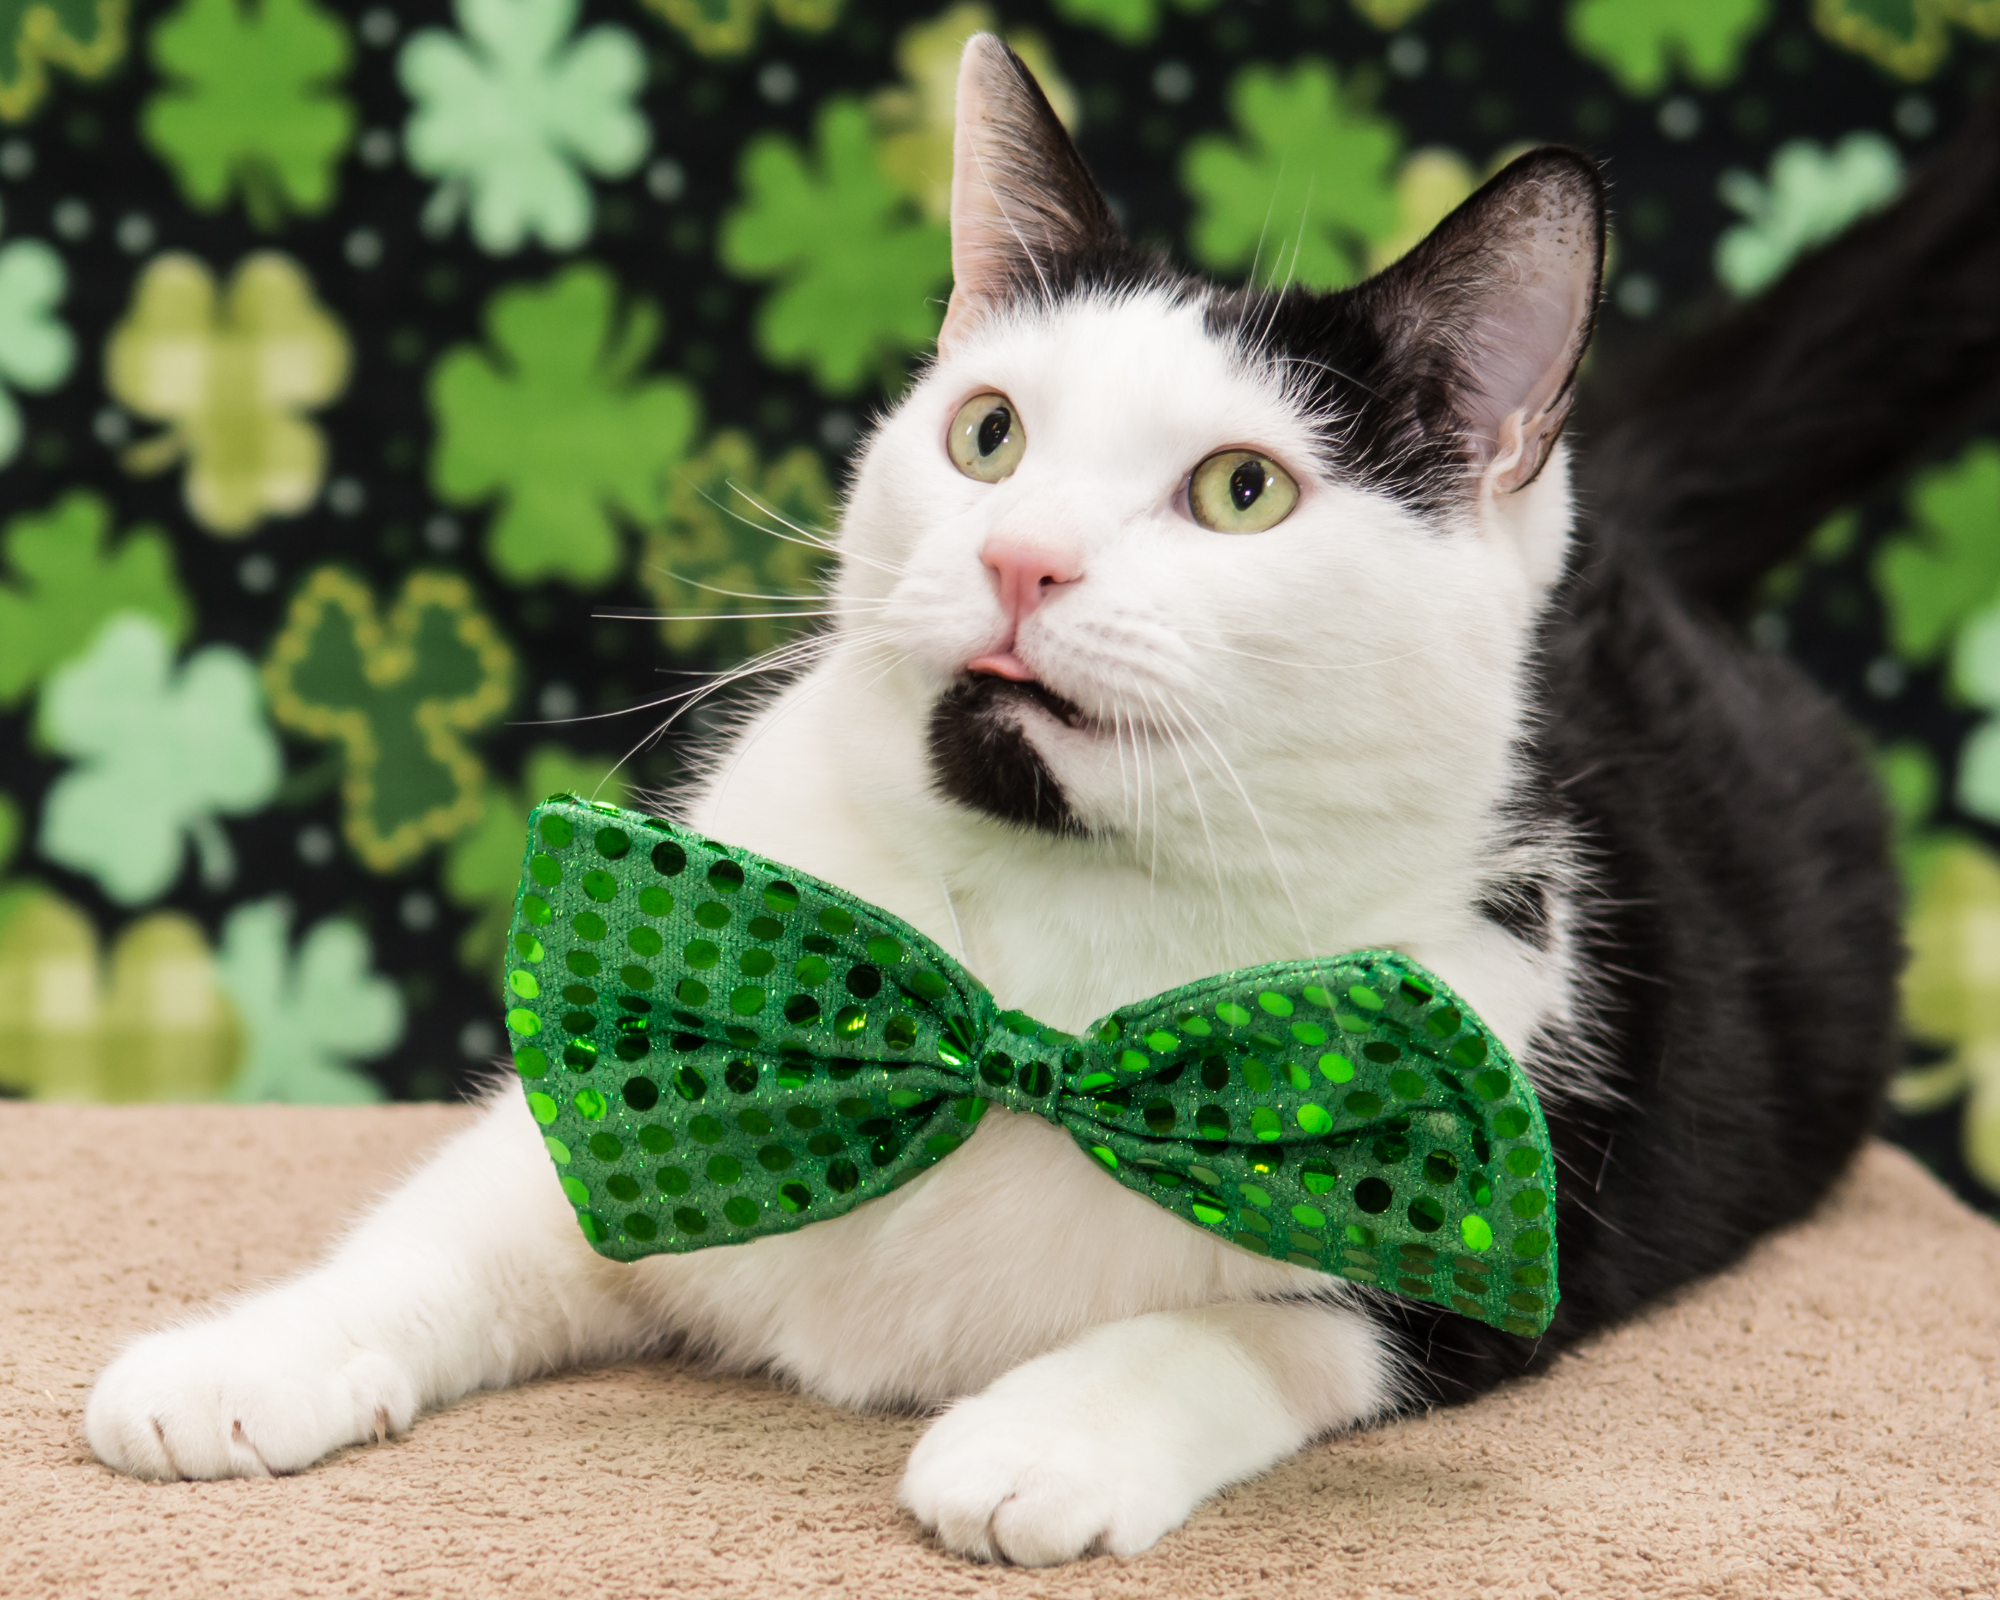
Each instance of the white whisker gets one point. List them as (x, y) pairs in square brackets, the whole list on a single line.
[(711, 616), (1277, 868), (739, 594)]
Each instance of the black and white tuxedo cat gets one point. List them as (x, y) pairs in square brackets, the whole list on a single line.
[(1182, 628)]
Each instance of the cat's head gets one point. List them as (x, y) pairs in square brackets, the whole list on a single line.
[(1146, 559)]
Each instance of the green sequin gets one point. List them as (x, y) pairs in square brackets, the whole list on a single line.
[(829, 1052)]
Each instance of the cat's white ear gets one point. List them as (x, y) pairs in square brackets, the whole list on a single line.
[(1021, 198), (1503, 296)]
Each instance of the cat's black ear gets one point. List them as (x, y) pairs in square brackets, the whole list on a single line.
[(1021, 197), (1497, 307)]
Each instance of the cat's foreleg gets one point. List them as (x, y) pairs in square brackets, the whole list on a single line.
[(1112, 1441), (471, 1275)]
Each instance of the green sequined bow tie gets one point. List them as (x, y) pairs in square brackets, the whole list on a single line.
[(718, 1047)]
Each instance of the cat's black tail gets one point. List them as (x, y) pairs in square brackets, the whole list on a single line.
[(1733, 447)]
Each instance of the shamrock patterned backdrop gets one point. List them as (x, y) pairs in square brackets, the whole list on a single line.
[(374, 377)]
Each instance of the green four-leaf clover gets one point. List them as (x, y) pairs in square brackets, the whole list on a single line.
[(1935, 575), (1303, 191), (250, 103), (68, 581), (1640, 41), (557, 422), (857, 270)]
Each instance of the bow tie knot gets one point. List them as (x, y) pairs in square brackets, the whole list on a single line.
[(719, 1047)]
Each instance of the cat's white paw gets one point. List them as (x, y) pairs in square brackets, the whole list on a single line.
[(222, 1400), (1040, 1483)]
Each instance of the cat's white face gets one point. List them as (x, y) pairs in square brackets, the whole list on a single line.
[(1355, 660)]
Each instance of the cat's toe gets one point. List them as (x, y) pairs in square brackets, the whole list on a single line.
[(996, 1484), (212, 1401)]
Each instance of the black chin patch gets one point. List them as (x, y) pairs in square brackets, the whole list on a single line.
[(981, 758)]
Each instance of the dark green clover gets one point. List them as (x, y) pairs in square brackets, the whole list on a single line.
[(718, 1047)]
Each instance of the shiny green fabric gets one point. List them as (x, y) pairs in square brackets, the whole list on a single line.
[(718, 1047)]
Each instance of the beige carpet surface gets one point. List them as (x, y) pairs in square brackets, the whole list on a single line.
[(1825, 1420)]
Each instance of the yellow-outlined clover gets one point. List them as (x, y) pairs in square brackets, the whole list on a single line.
[(1910, 39), (729, 27), (727, 542), (398, 695), (86, 37), (229, 372)]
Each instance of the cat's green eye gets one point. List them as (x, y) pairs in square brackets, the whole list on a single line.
[(1239, 491), (987, 438)]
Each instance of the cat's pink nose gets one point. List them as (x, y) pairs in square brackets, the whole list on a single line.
[(1028, 574)]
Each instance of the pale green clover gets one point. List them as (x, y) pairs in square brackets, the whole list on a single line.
[(482, 871), (511, 112), (1812, 193), (66, 581), (1305, 188), (306, 1016), (251, 104), (558, 423), (36, 350), (858, 271), (1639, 41), (159, 754), (1935, 575)]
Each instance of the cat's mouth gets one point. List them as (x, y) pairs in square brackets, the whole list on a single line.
[(1022, 691), (982, 756)]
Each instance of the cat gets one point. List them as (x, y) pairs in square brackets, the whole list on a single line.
[(1179, 628)]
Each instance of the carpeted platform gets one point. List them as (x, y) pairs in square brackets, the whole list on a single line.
[(1823, 1421)]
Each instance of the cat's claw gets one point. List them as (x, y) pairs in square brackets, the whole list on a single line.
[(997, 1483), (215, 1401)]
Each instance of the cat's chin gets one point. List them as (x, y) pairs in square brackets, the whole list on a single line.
[(982, 754)]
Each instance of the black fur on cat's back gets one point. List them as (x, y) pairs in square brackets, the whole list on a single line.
[(1734, 914), (1739, 937), (1741, 913)]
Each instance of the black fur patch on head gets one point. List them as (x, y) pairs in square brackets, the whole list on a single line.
[(1387, 423), (1409, 374), (982, 758), (1402, 370)]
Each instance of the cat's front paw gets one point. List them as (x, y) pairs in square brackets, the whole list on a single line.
[(221, 1400), (1003, 1477)]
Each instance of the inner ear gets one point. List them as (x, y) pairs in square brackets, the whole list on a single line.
[(1021, 197), (1498, 305)]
